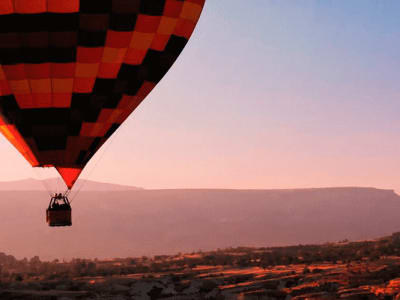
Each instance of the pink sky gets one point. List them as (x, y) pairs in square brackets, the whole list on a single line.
[(265, 96)]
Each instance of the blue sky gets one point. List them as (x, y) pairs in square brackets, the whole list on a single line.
[(267, 94)]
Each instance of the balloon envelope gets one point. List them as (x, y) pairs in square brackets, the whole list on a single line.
[(71, 71)]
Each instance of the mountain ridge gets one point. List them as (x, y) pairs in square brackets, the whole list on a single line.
[(32, 184), (149, 222)]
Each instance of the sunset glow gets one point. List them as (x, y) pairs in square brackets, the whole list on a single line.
[(268, 95)]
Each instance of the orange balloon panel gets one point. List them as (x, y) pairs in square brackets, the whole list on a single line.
[(71, 71)]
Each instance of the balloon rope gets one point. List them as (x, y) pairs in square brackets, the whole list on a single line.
[(66, 193), (43, 181), (96, 163), (57, 185)]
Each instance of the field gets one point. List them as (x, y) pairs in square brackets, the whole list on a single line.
[(345, 270)]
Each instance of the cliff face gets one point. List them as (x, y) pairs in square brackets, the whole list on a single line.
[(146, 222)]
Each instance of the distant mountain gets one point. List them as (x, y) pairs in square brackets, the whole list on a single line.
[(31, 184), (148, 222)]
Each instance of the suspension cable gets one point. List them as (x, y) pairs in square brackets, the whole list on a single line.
[(95, 164), (43, 182)]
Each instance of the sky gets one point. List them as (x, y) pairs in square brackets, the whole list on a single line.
[(267, 94)]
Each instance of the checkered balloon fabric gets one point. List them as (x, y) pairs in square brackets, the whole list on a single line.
[(71, 71)]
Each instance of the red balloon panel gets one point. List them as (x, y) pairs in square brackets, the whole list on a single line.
[(72, 71)]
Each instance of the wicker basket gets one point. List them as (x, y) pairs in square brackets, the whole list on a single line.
[(58, 217)]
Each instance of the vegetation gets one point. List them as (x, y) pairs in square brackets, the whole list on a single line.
[(278, 271)]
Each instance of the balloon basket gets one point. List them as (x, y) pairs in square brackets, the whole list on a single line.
[(59, 212)]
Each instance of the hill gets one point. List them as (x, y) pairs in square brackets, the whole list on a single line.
[(148, 222), (31, 184)]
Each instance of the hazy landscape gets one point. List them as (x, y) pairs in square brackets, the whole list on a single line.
[(148, 222), (237, 150), (132, 243)]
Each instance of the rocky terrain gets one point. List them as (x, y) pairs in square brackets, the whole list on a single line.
[(342, 270)]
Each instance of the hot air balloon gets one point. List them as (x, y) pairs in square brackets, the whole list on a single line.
[(71, 71)]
